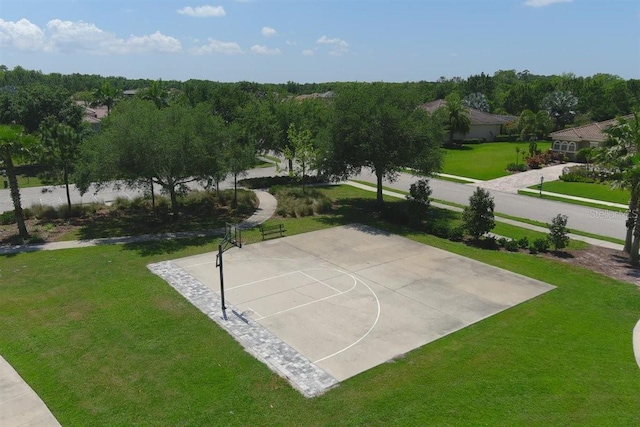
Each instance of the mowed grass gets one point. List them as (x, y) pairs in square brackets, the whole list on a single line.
[(486, 161), (106, 342), (596, 191)]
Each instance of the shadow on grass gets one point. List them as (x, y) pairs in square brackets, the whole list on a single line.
[(167, 246), (400, 217)]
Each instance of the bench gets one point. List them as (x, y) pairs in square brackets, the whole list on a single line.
[(272, 230)]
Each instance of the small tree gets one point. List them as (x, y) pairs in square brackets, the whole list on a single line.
[(419, 194), (558, 232), (478, 218), (301, 149)]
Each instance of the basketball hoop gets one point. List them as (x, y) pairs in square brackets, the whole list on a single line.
[(232, 238)]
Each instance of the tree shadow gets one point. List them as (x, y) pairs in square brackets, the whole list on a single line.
[(167, 246)]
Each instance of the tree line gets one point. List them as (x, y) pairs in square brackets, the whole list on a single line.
[(599, 97)]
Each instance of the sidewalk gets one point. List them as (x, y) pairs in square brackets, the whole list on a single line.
[(513, 183), (19, 404)]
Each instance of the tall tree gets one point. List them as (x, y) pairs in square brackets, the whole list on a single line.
[(60, 149), (172, 146), (15, 143), (378, 126), (457, 116)]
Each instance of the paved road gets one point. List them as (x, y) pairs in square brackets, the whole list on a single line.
[(56, 196), (592, 220), (597, 221)]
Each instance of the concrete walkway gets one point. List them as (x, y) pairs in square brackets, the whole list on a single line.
[(517, 181), (19, 405), (576, 198)]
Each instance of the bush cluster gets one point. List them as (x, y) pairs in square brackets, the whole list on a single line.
[(516, 167), (294, 202)]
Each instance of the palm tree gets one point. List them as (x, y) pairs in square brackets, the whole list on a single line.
[(621, 154), (533, 124), (561, 106), (156, 93), (106, 95), (457, 116), (15, 143), (477, 101)]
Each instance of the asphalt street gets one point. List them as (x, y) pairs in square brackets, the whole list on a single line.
[(598, 221), (592, 220)]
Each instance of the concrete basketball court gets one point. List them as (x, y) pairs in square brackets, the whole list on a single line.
[(350, 298)]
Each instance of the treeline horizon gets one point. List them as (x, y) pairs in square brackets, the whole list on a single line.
[(600, 97)]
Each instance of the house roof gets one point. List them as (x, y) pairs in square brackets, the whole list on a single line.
[(327, 94), (591, 132), (93, 114), (477, 117)]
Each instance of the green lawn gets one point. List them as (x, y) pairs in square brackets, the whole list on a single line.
[(106, 342), (485, 161), (594, 191)]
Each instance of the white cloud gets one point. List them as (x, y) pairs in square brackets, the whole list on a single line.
[(541, 3), (21, 35), (268, 31), (80, 37), (264, 50), (202, 11), (216, 46), (338, 46), (308, 52)]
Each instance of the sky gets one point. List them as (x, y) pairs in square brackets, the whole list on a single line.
[(306, 41)]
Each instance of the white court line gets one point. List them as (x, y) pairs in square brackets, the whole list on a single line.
[(355, 283), (365, 335), (255, 312), (320, 281), (263, 280)]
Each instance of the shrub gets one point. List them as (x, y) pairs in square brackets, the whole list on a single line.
[(294, 202), (511, 246), (558, 232), (532, 249), (577, 174), (541, 245), (456, 234), (506, 138), (523, 243), (7, 218), (516, 167), (473, 141), (584, 155), (478, 217), (44, 212), (420, 192), (502, 241)]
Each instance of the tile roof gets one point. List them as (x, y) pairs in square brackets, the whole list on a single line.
[(591, 132), (477, 117)]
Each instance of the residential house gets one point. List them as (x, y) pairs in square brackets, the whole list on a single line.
[(570, 141), (483, 125)]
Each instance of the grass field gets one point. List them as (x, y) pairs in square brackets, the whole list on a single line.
[(595, 191), (486, 161), (106, 342)]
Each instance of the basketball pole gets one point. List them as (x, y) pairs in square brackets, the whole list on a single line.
[(224, 307)]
